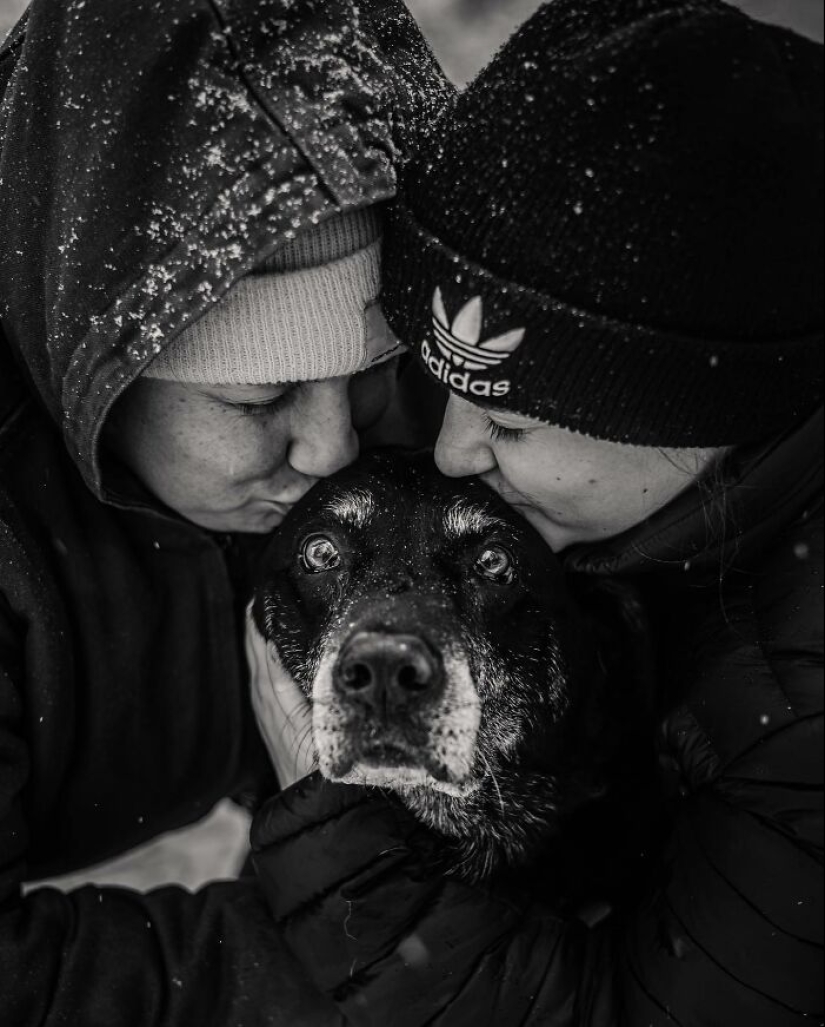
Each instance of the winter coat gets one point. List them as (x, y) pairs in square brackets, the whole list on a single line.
[(728, 931), (150, 155)]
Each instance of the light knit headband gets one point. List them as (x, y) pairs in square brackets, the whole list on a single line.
[(310, 313)]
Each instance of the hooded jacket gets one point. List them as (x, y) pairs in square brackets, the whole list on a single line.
[(150, 155), (728, 929)]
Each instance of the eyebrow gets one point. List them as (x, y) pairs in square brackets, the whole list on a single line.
[(356, 508), (465, 518)]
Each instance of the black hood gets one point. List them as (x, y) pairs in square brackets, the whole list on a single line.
[(152, 153)]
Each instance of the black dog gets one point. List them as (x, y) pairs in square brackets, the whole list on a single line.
[(443, 654)]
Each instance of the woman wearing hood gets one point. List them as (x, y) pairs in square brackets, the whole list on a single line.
[(609, 256), (189, 269)]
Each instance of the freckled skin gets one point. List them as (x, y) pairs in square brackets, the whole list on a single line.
[(544, 734), (570, 487), (224, 458)]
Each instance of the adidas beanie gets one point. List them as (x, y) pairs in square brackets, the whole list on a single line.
[(309, 312), (618, 228)]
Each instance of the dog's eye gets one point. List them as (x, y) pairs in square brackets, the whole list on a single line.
[(320, 554), (497, 565)]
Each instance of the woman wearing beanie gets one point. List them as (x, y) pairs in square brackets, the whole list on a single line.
[(189, 267), (609, 256)]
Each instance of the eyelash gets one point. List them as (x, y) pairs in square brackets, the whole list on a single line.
[(272, 406), (499, 433)]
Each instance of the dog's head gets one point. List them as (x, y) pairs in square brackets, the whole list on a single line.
[(431, 628)]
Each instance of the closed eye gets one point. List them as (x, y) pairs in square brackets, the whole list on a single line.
[(277, 404), (499, 433)]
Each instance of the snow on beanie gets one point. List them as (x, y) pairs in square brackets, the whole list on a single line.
[(618, 227), (309, 312)]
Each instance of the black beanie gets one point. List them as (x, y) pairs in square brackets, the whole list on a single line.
[(618, 228)]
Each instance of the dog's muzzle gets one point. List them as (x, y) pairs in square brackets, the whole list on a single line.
[(394, 706), (394, 710), (391, 684)]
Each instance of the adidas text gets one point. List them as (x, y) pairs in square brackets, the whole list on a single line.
[(460, 381)]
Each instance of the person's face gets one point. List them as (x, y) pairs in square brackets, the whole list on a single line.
[(237, 458), (570, 487)]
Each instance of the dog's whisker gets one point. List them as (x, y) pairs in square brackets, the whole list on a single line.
[(305, 741), (492, 774), (302, 738)]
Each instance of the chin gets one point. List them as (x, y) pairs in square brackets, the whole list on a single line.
[(260, 521), (557, 538), (560, 537), (263, 523)]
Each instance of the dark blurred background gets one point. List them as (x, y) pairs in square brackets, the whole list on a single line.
[(465, 33)]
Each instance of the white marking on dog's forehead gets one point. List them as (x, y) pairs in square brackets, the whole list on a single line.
[(355, 507), (467, 518)]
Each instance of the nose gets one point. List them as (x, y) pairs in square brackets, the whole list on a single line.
[(384, 673), (324, 440), (463, 446)]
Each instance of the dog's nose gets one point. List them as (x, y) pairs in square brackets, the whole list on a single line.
[(383, 672)]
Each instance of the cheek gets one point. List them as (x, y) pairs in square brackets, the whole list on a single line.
[(548, 485), (290, 624), (221, 452), (571, 494), (255, 450), (520, 467)]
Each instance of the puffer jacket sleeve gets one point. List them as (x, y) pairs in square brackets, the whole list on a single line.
[(733, 935), (351, 881), (738, 930), (100, 957)]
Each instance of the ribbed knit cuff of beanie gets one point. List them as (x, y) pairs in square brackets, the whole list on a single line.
[(308, 313)]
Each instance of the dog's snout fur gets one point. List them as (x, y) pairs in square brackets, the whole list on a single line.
[(390, 686), (389, 710)]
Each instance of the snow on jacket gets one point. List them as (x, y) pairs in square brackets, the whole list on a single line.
[(151, 153), (730, 930)]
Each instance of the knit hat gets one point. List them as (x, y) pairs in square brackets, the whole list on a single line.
[(309, 312), (618, 228)]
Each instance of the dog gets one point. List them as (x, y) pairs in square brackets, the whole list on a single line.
[(444, 656)]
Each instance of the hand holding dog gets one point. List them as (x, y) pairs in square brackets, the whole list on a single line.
[(284, 716)]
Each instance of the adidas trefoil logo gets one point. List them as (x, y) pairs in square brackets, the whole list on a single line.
[(461, 341), (464, 352)]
